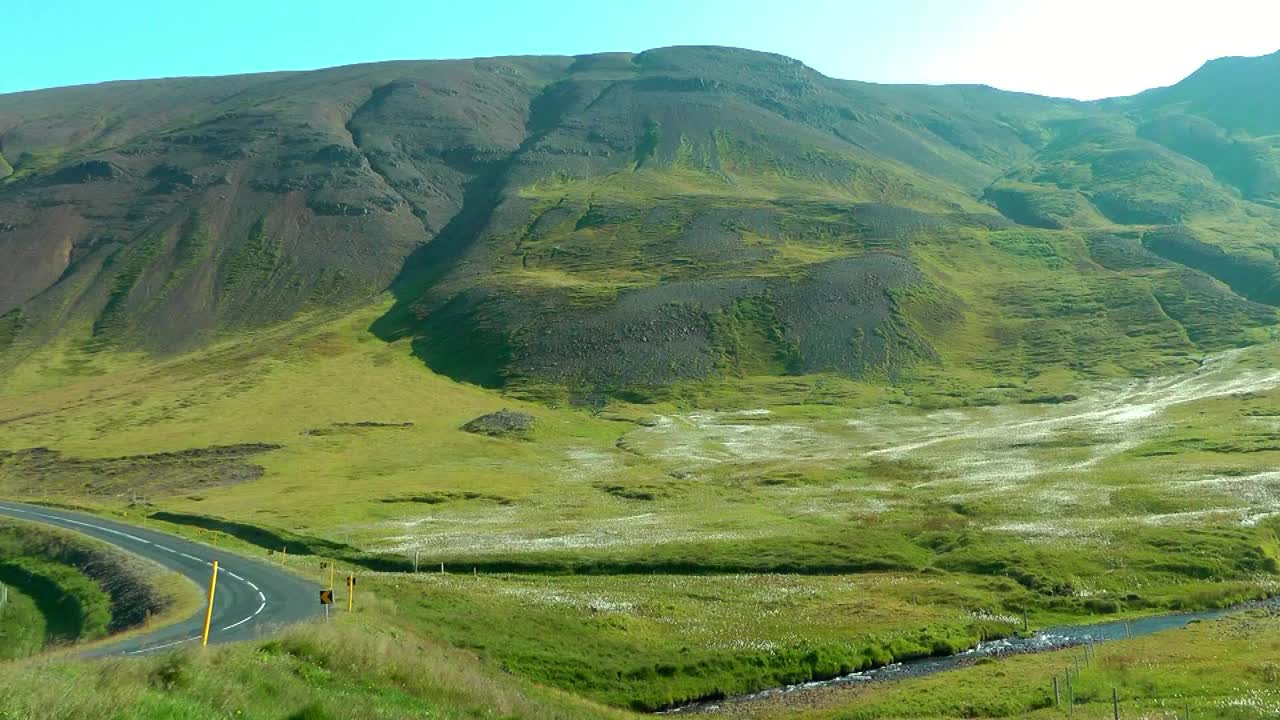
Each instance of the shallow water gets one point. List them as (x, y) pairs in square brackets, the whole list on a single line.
[(1041, 641)]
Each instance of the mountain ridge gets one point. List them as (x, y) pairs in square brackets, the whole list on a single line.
[(532, 214)]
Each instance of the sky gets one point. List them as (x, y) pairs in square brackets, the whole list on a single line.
[(1083, 49)]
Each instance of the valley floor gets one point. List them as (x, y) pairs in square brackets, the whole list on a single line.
[(718, 542), (1220, 669)]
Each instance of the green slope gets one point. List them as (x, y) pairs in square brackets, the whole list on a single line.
[(689, 205), (821, 373)]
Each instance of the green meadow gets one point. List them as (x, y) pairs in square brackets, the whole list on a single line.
[(1222, 669), (643, 555)]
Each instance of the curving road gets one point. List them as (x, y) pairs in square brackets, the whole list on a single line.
[(253, 598)]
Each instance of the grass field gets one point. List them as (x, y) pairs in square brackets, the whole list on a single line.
[(370, 666), (647, 554), (801, 375), (22, 626), (1222, 669), (380, 660)]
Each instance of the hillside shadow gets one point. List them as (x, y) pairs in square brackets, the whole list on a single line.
[(433, 261)]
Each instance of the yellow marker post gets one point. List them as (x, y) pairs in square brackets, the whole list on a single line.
[(208, 615), (351, 592)]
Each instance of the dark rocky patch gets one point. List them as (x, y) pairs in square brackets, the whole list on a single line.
[(648, 337), (340, 427), (1039, 210), (1120, 253), (647, 491), (552, 219), (339, 155), (1049, 399), (42, 471), (503, 423), (84, 172), (843, 317), (660, 216), (1201, 304), (882, 221), (1253, 277), (171, 178), (987, 221), (630, 493), (1128, 208), (600, 215), (440, 498), (717, 234), (338, 208)]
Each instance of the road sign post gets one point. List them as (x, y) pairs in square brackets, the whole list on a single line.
[(208, 615), (326, 599)]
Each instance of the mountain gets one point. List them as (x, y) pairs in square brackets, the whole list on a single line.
[(633, 223)]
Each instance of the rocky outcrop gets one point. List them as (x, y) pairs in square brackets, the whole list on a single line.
[(503, 423)]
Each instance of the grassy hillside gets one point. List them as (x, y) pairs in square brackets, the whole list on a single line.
[(1221, 669), (738, 535), (696, 371), (711, 212), (315, 672), (65, 589)]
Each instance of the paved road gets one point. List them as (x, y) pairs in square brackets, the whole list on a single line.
[(253, 598)]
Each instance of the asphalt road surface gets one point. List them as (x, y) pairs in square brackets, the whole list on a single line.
[(252, 599)]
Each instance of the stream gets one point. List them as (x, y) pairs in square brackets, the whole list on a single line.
[(1041, 641)]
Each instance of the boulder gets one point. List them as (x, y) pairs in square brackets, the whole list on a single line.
[(502, 423)]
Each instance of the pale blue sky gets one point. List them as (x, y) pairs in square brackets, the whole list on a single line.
[(1081, 48)]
